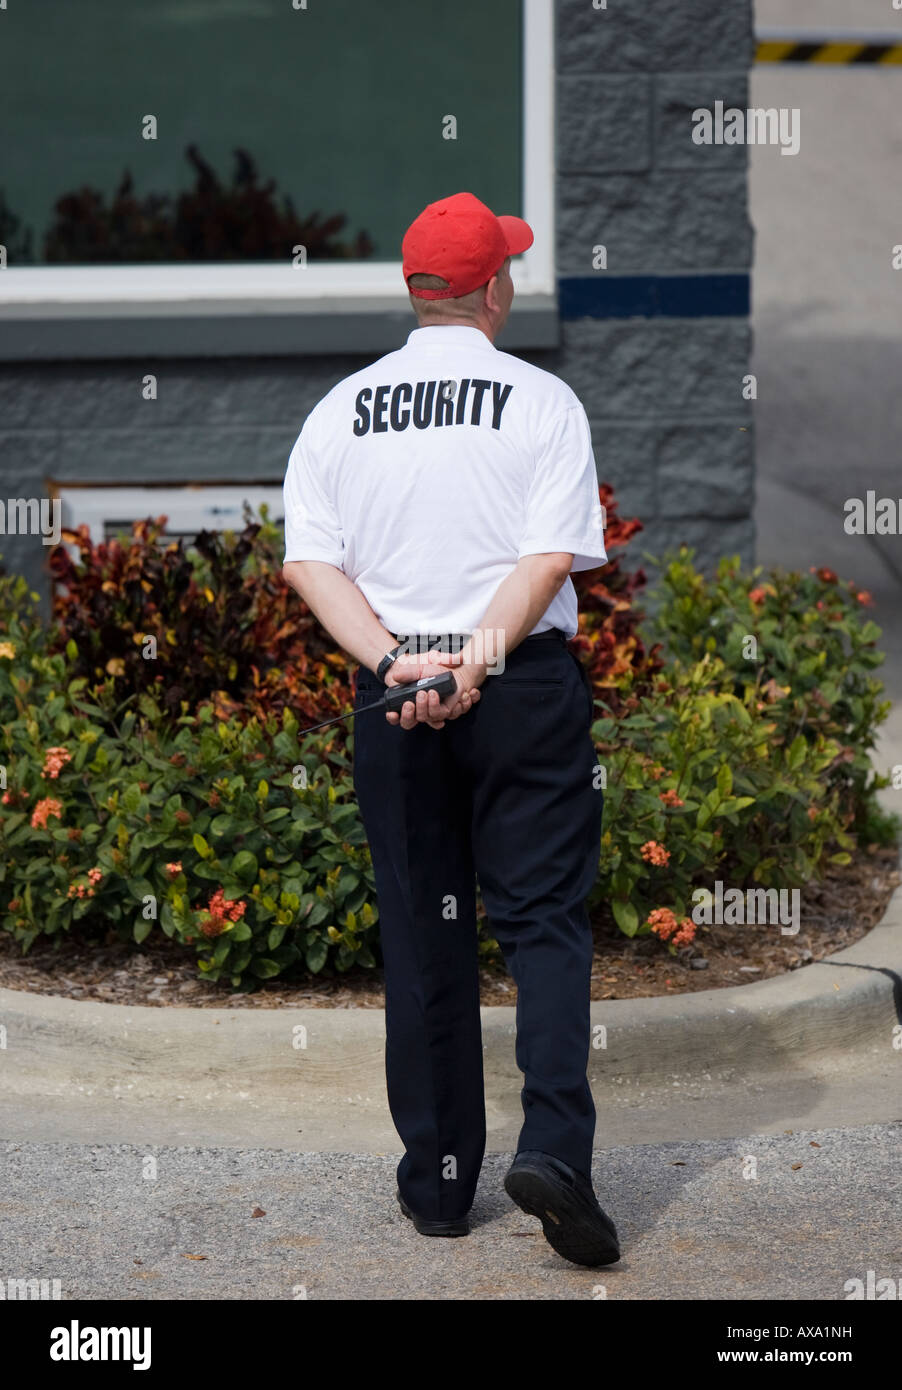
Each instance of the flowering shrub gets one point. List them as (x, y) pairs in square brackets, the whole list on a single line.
[(703, 783), (177, 795), (811, 658), (235, 839)]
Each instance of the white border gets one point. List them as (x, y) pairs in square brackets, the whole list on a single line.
[(270, 288)]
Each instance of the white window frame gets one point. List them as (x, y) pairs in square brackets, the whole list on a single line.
[(190, 507), (263, 288)]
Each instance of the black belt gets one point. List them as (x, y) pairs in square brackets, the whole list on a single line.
[(453, 641)]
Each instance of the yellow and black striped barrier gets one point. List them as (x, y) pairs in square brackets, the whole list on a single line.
[(852, 49)]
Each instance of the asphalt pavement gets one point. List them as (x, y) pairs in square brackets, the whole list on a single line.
[(790, 1216)]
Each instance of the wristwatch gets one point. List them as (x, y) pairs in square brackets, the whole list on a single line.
[(388, 660)]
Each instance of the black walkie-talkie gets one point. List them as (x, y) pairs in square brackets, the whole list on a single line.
[(395, 697), (398, 695)]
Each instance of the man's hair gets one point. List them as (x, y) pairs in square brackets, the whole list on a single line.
[(464, 306), (426, 282)]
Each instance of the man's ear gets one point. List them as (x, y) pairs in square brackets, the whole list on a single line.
[(491, 294)]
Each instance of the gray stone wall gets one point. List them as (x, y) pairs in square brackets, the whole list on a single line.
[(671, 429), (672, 432)]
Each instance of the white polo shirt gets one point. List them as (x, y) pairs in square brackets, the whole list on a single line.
[(428, 475)]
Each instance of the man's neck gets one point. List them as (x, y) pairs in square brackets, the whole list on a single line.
[(482, 326)]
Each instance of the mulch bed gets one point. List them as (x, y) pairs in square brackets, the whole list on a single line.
[(834, 913)]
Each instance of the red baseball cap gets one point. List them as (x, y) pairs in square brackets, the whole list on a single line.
[(461, 240)]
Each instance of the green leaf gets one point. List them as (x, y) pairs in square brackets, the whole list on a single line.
[(222, 948), (626, 916), (167, 921), (316, 956), (321, 910), (264, 969), (202, 848), (724, 780), (244, 866), (274, 940), (142, 929), (140, 888), (733, 804), (707, 809), (795, 754)]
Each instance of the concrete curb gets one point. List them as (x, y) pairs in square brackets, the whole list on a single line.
[(816, 1016)]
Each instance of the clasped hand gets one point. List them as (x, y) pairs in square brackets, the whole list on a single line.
[(429, 707)]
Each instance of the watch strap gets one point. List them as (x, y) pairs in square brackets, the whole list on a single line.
[(387, 661)]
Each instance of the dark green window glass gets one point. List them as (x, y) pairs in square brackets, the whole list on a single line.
[(275, 126)]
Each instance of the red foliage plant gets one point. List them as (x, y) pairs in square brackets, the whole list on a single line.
[(226, 628), (608, 641)]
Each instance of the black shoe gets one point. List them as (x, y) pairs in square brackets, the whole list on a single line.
[(572, 1221), (458, 1227)]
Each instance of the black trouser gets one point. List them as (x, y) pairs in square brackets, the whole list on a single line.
[(506, 793)]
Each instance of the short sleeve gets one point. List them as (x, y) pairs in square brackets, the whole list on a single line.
[(312, 528), (563, 510)]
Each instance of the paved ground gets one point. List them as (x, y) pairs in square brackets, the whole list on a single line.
[(692, 1226)]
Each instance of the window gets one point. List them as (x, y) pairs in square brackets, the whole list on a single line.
[(108, 511), (216, 157)]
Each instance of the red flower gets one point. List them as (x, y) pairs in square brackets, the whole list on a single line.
[(48, 806), (654, 853), (686, 934), (662, 922), (55, 760), (219, 915)]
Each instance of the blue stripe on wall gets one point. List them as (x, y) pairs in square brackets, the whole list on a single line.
[(605, 296)]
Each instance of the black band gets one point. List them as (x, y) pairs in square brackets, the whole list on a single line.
[(387, 661)]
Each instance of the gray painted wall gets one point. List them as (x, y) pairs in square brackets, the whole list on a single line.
[(672, 432)]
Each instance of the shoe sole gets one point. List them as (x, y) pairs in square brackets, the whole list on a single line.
[(435, 1228), (571, 1227)]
